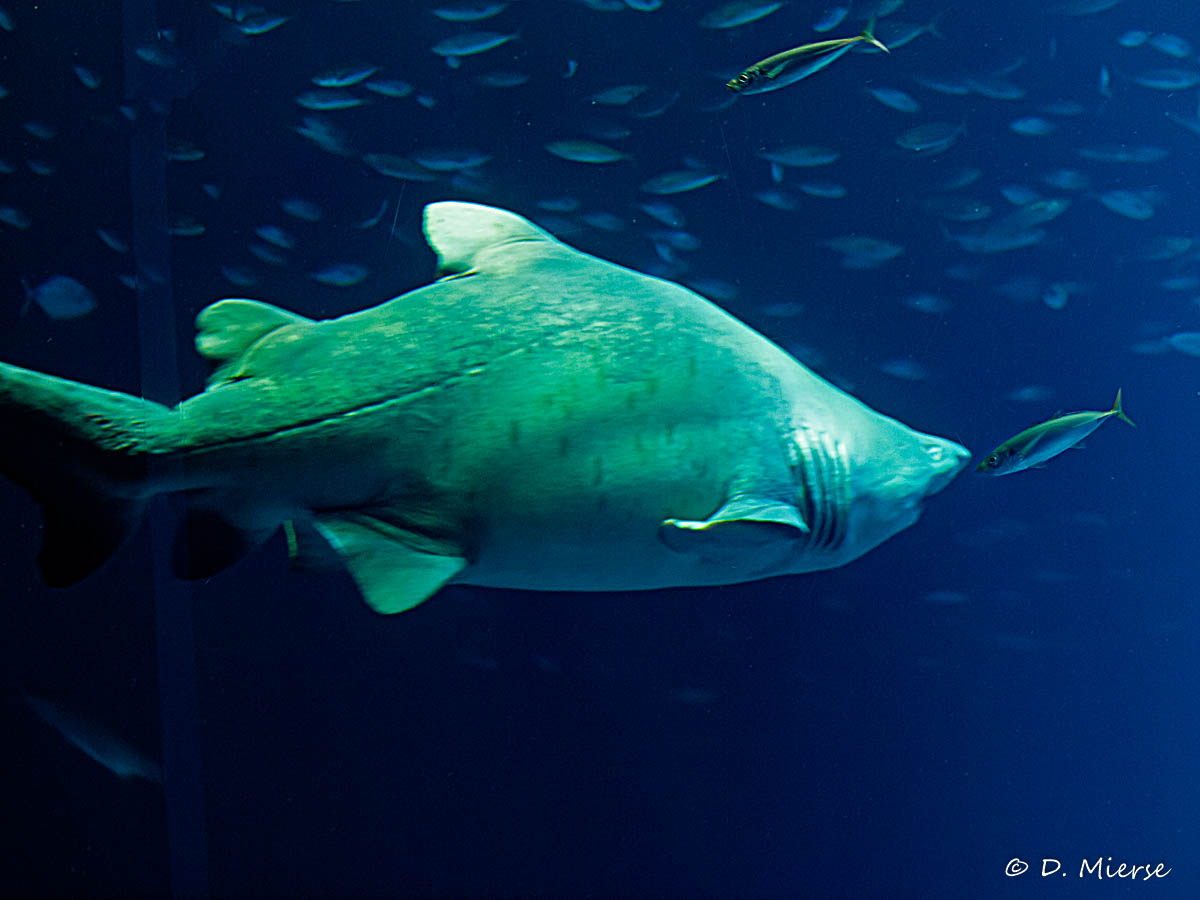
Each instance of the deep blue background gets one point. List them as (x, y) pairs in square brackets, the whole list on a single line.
[(832, 735)]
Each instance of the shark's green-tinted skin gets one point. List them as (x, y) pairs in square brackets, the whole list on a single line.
[(1033, 446), (536, 418)]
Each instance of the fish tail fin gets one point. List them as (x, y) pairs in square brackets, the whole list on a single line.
[(82, 453), (1119, 411), (868, 35)]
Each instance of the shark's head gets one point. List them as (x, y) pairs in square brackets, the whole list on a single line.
[(863, 484)]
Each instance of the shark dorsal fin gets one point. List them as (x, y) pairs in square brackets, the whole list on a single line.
[(225, 330), (459, 232)]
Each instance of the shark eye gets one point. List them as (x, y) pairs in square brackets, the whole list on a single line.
[(993, 460)]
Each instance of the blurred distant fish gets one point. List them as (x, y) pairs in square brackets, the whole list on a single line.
[(6, 21), (60, 297), (740, 12), (1171, 44), (831, 17), (585, 151), (619, 95), (1082, 7), (1123, 153), (261, 22), (395, 166), (678, 182), (113, 241), (931, 138), (894, 98), (341, 274), (325, 135), (468, 10), (800, 155), (452, 160), (470, 43), (328, 99), (10, 215), (300, 208), (1168, 79), (101, 745), (862, 251), (373, 220), (1130, 204), (797, 63), (344, 76), (389, 87), (87, 77), (1034, 446)]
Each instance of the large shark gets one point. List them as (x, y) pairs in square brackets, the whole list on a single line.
[(535, 418)]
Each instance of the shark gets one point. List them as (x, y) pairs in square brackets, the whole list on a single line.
[(535, 418)]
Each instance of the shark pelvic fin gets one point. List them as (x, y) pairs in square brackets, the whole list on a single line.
[(384, 560)]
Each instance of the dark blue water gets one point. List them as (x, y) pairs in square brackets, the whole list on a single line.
[(1013, 677)]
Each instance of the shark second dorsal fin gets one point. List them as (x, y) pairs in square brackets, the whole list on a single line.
[(225, 330), (459, 232)]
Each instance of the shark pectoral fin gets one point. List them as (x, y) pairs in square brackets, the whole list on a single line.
[(225, 330), (392, 572), (743, 523)]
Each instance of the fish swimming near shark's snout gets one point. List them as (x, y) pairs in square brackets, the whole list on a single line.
[(535, 418)]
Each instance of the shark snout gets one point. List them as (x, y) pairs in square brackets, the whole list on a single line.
[(948, 459)]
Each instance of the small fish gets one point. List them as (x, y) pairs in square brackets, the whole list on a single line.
[(1034, 446), (1032, 126), (679, 181), (585, 151), (301, 209), (87, 77), (453, 160), (619, 95), (341, 274), (815, 56), (344, 76), (468, 10), (327, 99), (470, 43), (740, 12), (389, 87), (261, 23), (99, 744), (10, 215), (931, 138), (1168, 79), (394, 166), (1130, 204), (894, 98), (60, 297), (800, 155)]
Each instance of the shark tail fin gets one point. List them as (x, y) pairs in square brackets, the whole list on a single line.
[(82, 453)]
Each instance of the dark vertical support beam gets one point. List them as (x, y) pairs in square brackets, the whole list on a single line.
[(151, 92)]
